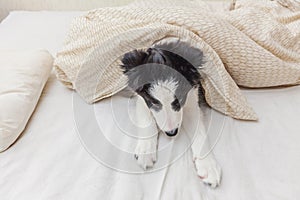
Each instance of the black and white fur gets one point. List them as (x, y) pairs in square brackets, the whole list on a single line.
[(164, 77)]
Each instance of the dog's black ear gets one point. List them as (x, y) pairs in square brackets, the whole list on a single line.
[(133, 59)]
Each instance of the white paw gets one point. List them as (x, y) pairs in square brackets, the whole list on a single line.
[(209, 171), (145, 153)]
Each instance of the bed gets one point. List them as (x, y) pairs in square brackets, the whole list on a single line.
[(260, 160)]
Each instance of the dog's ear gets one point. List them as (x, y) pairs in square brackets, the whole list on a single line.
[(133, 59)]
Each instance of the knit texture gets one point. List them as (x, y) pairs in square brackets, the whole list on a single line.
[(255, 45)]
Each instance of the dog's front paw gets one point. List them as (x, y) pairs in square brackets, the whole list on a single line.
[(209, 171), (145, 153)]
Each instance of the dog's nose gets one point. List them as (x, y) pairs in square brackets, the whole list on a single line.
[(172, 132)]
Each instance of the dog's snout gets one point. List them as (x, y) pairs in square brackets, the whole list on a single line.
[(172, 132)]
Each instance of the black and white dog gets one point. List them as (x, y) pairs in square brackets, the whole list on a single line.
[(164, 77)]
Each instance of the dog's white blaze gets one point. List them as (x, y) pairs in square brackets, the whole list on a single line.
[(160, 87), (167, 119)]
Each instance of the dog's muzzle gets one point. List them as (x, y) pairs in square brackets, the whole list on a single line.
[(172, 132)]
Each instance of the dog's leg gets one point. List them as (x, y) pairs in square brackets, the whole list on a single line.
[(206, 166), (145, 151)]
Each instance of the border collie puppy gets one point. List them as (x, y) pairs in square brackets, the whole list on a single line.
[(164, 77)]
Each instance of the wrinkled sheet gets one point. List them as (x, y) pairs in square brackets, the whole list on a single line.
[(260, 160)]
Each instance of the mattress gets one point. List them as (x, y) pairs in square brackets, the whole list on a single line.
[(260, 160)]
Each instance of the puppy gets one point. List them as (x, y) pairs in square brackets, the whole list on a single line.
[(163, 77)]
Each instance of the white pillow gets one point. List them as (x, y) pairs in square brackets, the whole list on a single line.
[(23, 75)]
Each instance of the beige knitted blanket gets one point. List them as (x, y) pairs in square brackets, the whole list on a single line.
[(255, 45)]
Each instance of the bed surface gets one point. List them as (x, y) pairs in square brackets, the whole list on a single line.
[(260, 160)]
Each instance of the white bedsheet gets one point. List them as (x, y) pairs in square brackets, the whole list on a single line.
[(260, 160)]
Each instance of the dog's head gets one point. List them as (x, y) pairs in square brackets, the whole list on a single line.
[(163, 79)]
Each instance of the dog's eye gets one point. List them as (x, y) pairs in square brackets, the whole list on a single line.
[(176, 105), (153, 104), (156, 106)]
